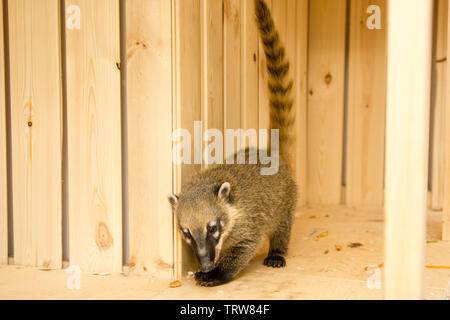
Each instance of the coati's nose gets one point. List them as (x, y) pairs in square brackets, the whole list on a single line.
[(206, 265)]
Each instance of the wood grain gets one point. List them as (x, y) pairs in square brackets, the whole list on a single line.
[(366, 107), (326, 100), (263, 92), (212, 78), (249, 68), (149, 111), (94, 141), (3, 174), (36, 131), (299, 73), (232, 63)]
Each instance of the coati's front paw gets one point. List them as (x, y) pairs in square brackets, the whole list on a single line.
[(211, 279), (275, 261)]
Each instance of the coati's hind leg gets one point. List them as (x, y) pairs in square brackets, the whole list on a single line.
[(279, 242), (231, 262)]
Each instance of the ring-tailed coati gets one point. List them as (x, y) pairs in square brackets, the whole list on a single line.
[(225, 211)]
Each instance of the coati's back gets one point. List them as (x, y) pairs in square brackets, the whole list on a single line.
[(225, 211)]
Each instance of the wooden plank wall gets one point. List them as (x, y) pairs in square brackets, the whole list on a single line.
[(187, 60), (326, 76), (3, 173), (250, 76), (366, 107), (36, 131), (149, 99), (94, 137)]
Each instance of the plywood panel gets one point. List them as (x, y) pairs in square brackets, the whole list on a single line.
[(438, 100), (187, 92), (36, 131), (94, 137), (366, 106), (326, 100), (249, 68), (232, 63), (149, 153), (3, 180), (211, 28), (300, 7)]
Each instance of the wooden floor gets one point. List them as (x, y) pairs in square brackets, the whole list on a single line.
[(315, 268)]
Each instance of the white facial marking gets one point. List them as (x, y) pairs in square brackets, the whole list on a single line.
[(222, 224), (212, 223), (188, 241), (185, 230), (216, 234), (202, 251)]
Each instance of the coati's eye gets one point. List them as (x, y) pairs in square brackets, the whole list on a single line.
[(187, 233), (212, 229)]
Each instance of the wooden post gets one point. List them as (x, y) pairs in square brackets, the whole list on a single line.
[(407, 132)]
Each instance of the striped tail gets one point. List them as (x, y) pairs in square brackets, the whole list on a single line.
[(279, 83)]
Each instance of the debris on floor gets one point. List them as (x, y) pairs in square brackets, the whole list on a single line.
[(175, 284), (323, 234), (355, 245), (338, 247)]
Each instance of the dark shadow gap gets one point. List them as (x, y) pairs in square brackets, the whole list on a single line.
[(124, 133), (65, 157), (8, 131)]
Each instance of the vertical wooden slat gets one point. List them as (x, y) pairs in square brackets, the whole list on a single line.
[(249, 68), (232, 63), (407, 133), (94, 137), (211, 28), (366, 107), (300, 36), (187, 98), (264, 109), (438, 105), (149, 99), (446, 200), (3, 177), (36, 131), (326, 68)]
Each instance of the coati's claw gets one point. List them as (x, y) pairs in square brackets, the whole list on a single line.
[(275, 262), (210, 279)]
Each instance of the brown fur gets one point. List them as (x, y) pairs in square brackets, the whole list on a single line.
[(254, 206)]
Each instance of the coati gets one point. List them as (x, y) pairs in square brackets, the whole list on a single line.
[(225, 211)]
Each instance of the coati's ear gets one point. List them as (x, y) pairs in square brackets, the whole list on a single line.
[(224, 191), (173, 199)]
